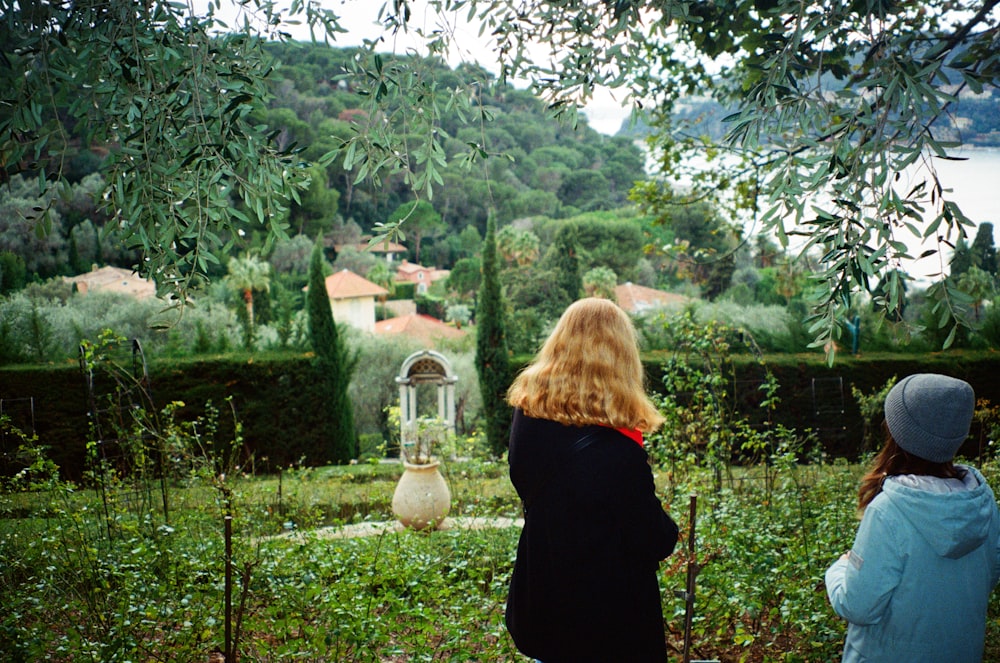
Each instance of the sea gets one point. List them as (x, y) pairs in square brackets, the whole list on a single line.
[(970, 178)]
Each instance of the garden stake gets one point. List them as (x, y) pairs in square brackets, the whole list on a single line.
[(227, 507), (693, 569), (281, 505), (229, 588)]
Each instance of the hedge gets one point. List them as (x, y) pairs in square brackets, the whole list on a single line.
[(272, 398)]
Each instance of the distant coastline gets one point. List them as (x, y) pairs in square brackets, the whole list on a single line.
[(977, 117)]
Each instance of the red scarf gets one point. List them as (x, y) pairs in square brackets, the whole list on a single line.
[(633, 434)]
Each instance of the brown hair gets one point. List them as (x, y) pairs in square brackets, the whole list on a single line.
[(588, 372), (894, 460)]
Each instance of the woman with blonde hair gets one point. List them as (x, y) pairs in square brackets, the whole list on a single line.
[(915, 585), (584, 587)]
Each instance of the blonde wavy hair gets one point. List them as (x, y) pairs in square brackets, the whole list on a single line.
[(588, 372)]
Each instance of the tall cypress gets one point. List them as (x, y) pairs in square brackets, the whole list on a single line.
[(984, 252), (962, 260), (492, 361), (334, 364), (567, 262)]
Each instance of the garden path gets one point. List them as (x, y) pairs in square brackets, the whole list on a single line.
[(384, 527)]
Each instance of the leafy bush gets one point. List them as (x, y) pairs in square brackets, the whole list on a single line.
[(990, 326), (872, 407), (113, 578), (404, 290), (770, 326), (75, 587), (760, 595), (434, 306), (46, 329), (371, 446)]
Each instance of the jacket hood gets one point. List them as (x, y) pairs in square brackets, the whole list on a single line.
[(953, 522)]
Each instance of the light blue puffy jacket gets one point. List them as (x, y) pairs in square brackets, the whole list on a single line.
[(915, 585)]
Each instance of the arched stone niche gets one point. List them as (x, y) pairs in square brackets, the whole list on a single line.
[(426, 367)]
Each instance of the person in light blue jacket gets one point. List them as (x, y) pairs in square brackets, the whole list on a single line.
[(915, 585)]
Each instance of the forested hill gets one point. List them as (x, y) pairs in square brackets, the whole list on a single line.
[(537, 166), (973, 119), (526, 164)]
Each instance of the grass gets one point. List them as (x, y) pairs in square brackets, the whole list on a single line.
[(84, 584)]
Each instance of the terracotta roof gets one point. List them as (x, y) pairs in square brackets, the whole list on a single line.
[(406, 270), (114, 279), (407, 267), (345, 284), (636, 298), (440, 274), (418, 326)]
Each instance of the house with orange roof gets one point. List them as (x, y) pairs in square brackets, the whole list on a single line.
[(411, 272), (113, 279), (637, 299), (387, 249), (420, 327), (352, 299)]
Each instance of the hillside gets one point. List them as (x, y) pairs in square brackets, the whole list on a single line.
[(973, 119), (535, 164), (516, 162)]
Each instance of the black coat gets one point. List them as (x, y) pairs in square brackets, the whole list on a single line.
[(584, 587)]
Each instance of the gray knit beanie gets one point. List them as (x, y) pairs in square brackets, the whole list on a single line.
[(929, 415)]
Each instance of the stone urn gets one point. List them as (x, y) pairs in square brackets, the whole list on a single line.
[(422, 499)]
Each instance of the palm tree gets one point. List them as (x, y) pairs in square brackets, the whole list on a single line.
[(519, 247), (381, 275), (247, 274), (526, 247)]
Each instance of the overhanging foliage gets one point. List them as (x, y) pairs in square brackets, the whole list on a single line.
[(831, 104)]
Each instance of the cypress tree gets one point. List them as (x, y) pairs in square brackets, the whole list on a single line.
[(492, 362), (13, 272), (567, 263), (334, 365), (74, 256), (962, 259), (984, 252)]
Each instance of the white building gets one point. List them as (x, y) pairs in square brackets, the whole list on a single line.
[(352, 299)]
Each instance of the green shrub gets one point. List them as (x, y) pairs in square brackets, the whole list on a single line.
[(436, 307), (404, 290), (109, 575), (872, 408), (371, 446), (989, 329)]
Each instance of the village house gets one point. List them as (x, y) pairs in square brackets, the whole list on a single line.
[(419, 327), (113, 279), (637, 299), (352, 299), (410, 272), (389, 250)]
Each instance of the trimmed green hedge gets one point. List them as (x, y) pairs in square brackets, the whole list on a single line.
[(404, 290), (273, 398), (842, 434)]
